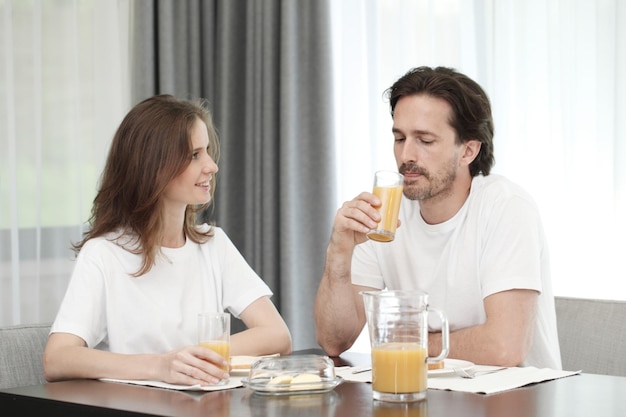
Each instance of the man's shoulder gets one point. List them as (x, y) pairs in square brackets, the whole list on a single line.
[(497, 186), (494, 195)]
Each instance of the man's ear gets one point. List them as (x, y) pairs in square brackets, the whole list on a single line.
[(472, 147)]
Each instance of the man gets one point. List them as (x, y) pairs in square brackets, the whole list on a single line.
[(473, 241)]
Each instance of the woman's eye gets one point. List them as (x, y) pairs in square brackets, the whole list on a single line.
[(399, 139), (194, 155)]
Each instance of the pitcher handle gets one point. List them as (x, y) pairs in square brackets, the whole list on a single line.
[(445, 336)]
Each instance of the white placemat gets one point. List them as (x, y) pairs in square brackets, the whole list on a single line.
[(233, 382), (503, 380), (354, 373)]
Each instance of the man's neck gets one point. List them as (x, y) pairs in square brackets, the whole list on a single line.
[(442, 208)]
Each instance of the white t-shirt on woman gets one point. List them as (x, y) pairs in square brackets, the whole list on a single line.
[(112, 310)]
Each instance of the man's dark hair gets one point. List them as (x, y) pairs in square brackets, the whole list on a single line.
[(471, 111)]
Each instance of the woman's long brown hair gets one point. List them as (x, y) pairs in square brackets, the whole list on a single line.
[(151, 147)]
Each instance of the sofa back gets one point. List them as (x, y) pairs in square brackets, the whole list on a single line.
[(592, 335), (21, 354)]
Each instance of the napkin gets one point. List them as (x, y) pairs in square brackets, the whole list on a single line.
[(354, 373), (502, 380), (233, 382)]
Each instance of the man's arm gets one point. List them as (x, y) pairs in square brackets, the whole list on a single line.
[(339, 314), (505, 337)]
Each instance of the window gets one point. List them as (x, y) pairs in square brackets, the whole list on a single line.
[(551, 71), (64, 88)]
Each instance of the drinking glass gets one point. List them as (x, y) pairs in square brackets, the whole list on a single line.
[(214, 334), (387, 187)]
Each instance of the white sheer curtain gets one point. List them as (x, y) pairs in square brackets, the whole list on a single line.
[(552, 69), (63, 90)]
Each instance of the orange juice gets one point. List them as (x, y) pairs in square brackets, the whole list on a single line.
[(389, 210), (399, 368), (399, 409), (219, 346)]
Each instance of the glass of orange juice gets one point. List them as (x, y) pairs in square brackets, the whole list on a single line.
[(398, 328), (388, 187), (214, 334)]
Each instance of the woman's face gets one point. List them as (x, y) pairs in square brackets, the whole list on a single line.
[(193, 185)]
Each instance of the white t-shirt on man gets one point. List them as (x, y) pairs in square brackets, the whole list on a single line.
[(154, 313), (494, 243)]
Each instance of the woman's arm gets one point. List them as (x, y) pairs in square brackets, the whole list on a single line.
[(267, 332), (66, 356)]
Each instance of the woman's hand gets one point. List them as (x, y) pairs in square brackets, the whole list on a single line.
[(193, 365)]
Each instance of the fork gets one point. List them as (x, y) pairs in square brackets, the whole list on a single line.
[(472, 373)]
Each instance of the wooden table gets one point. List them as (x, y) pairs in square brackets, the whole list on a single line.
[(586, 395)]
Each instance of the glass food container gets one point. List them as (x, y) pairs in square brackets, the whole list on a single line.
[(292, 375)]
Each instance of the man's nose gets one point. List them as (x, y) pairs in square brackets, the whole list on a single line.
[(409, 151)]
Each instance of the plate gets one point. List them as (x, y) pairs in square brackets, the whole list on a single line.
[(240, 365), (264, 388), (449, 365), (240, 371)]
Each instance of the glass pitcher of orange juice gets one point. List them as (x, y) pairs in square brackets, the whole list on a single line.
[(398, 328)]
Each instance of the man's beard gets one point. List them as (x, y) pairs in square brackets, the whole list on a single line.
[(438, 185)]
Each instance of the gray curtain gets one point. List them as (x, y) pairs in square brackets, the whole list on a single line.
[(264, 65)]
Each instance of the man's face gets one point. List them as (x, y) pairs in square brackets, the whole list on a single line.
[(425, 147)]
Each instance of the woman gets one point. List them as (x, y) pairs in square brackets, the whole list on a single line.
[(144, 269)]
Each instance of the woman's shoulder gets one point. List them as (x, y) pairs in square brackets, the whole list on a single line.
[(216, 234), (205, 227), (112, 241)]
